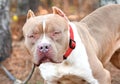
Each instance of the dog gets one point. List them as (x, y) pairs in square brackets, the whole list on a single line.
[(60, 47)]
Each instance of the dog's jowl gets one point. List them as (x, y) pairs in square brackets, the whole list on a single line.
[(60, 47)]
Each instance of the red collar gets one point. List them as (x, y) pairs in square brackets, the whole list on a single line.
[(72, 44)]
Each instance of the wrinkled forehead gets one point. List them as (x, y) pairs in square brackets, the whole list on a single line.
[(45, 22)]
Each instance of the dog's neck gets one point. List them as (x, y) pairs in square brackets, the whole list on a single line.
[(79, 49), (72, 43)]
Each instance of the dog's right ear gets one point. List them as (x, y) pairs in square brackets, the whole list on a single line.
[(30, 14)]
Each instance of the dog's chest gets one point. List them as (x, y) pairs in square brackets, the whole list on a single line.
[(78, 63)]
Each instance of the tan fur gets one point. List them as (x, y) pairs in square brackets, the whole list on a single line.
[(104, 26), (99, 31), (36, 28), (71, 79), (103, 38)]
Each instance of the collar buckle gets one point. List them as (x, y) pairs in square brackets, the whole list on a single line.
[(72, 44)]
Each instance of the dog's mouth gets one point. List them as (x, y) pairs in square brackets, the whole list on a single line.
[(50, 56), (44, 60)]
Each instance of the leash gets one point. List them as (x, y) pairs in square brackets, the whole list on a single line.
[(72, 43), (17, 81), (28, 77)]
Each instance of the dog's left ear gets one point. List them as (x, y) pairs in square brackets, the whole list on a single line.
[(56, 10), (30, 14)]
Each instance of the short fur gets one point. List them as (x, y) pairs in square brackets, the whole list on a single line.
[(97, 39)]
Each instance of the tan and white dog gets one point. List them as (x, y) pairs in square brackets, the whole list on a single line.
[(61, 47)]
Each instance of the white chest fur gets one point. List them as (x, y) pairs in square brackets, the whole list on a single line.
[(78, 60)]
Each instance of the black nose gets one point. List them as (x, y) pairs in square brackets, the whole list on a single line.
[(44, 47)]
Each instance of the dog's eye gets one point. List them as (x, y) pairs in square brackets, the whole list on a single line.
[(34, 35), (56, 35), (57, 32), (30, 36)]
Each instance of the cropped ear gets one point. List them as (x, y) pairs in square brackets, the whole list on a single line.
[(56, 10), (30, 14)]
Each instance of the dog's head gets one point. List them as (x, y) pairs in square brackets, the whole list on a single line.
[(46, 36)]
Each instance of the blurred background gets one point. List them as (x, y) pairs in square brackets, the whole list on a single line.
[(13, 16)]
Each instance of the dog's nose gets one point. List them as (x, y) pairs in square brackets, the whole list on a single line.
[(44, 47)]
